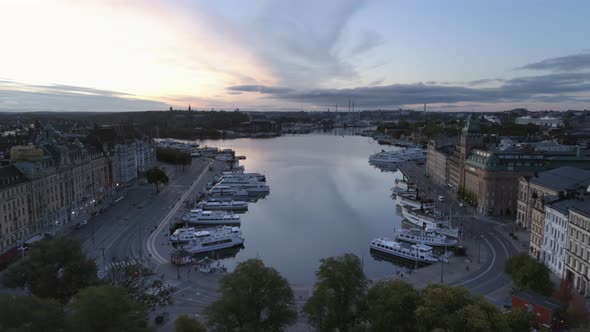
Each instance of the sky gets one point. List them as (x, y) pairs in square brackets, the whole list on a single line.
[(275, 55)]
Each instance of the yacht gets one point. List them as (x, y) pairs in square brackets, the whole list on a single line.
[(413, 199), (223, 190), (244, 176), (200, 217), (420, 253), (224, 157), (223, 206), (396, 157), (429, 221), (182, 235), (215, 239), (430, 238)]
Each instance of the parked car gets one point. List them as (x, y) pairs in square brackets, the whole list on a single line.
[(441, 198)]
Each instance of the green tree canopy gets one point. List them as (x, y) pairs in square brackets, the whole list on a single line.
[(519, 320), (156, 176), (56, 268), (253, 298), (186, 324), (529, 274), (105, 309), (143, 285), (392, 306), (30, 314), (454, 309), (338, 300)]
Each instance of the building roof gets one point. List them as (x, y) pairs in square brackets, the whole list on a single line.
[(10, 176), (564, 205), (563, 178)]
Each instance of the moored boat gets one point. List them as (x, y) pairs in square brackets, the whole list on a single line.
[(223, 205), (429, 221), (427, 237), (418, 253), (215, 239), (200, 217)]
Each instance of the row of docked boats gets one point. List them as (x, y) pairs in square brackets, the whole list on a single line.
[(213, 223), (430, 228)]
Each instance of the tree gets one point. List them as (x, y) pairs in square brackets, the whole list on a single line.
[(576, 314), (105, 309), (519, 320), (529, 274), (186, 324), (156, 176), (56, 268), (142, 285), (30, 313), (253, 298), (338, 300), (392, 306), (454, 309)]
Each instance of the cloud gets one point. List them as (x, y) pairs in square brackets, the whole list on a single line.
[(22, 98), (258, 88), (368, 40), (552, 87), (485, 81), (565, 63)]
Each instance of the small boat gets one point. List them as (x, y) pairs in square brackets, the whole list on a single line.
[(403, 186), (200, 217), (418, 236), (429, 221), (419, 253), (414, 200), (215, 239), (223, 206)]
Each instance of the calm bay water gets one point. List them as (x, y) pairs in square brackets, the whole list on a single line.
[(325, 200)]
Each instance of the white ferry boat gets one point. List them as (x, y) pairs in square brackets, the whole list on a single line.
[(413, 199), (420, 253), (429, 221), (399, 156), (223, 206), (223, 190), (215, 239), (430, 238), (403, 186), (200, 217), (224, 157), (242, 176), (252, 187), (182, 235)]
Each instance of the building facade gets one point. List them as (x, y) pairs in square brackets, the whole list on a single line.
[(536, 191), (577, 262), (437, 161), (15, 208), (555, 237)]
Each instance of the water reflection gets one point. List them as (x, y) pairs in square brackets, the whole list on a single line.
[(326, 200)]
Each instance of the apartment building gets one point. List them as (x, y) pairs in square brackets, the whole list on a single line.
[(577, 261), (15, 208)]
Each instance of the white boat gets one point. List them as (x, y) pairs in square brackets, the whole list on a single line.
[(398, 156), (215, 239), (429, 221), (223, 206), (420, 253), (413, 199), (224, 157), (223, 190), (243, 176), (182, 235), (252, 187), (200, 217), (430, 238), (402, 186)]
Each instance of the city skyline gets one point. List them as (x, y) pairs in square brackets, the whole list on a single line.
[(270, 55)]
